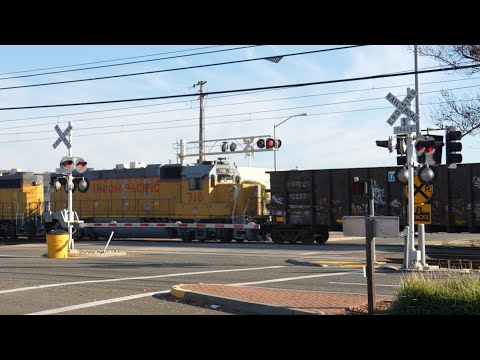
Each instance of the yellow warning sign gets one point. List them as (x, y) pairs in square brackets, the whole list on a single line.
[(421, 193), (422, 214)]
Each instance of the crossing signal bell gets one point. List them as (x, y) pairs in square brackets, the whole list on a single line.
[(453, 146)]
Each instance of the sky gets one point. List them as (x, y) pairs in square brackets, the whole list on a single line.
[(344, 119)]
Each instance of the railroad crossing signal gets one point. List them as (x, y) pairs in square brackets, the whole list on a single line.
[(402, 107), (62, 136), (422, 193)]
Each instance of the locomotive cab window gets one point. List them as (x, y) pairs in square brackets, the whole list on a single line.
[(224, 179), (195, 184)]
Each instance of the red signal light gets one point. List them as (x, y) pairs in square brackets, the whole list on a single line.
[(270, 143)]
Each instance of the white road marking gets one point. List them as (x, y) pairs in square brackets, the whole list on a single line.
[(18, 256), (135, 278), (97, 303), (138, 296), (344, 283), (292, 278)]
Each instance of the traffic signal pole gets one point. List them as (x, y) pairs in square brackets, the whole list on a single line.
[(70, 195), (421, 227), (411, 216)]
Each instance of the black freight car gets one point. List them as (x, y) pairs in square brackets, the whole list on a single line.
[(307, 204)]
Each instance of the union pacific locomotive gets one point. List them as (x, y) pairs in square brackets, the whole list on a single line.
[(211, 192)]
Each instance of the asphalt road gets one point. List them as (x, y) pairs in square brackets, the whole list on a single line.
[(139, 283)]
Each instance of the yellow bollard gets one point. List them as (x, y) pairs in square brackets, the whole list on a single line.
[(57, 242)]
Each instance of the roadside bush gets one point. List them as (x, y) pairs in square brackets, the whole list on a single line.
[(448, 294)]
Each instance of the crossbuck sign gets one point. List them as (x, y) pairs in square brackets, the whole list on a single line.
[(62, 136), (402, 107)]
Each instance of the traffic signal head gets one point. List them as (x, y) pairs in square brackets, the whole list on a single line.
[(66, 164), (270, 143), (429, 149), (386, 144), (401, 151), (359, 186), (453, 146), (224, 146), (260, 143), (80, 165)]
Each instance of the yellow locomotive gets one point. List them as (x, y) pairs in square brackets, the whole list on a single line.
[(210, 192), (21, 204)]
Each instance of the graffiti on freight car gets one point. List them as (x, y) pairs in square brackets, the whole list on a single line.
[(378, 193), (395, 203), (277, 200), (476, 182)]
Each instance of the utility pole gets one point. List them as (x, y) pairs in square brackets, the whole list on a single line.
[(201, 137)]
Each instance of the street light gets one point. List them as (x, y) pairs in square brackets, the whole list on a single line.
[(274, 127)]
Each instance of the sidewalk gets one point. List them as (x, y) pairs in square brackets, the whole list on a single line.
[(267, 301)]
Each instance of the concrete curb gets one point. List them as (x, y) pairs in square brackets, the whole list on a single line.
[(241, 305)]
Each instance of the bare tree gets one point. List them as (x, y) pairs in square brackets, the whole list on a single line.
[(463, 114)]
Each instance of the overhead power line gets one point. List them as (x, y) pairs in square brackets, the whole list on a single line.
[(127, 63), (104, 61), (175, 69), (96, 133), (232, 95), (379, 76), (223, 115)]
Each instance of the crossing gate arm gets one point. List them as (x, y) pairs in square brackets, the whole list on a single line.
[(172, 225)]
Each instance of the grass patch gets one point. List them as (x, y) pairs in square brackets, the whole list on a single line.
[(441, 294)]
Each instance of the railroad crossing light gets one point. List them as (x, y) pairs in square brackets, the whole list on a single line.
[(401, 175), (429, 149), (386, 144), (278, 143), (80, 165), (453, 146), (224, 146), (270, 143), (260, 143), (233, 146), (427, 175), (66, 164), (359, 186)]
